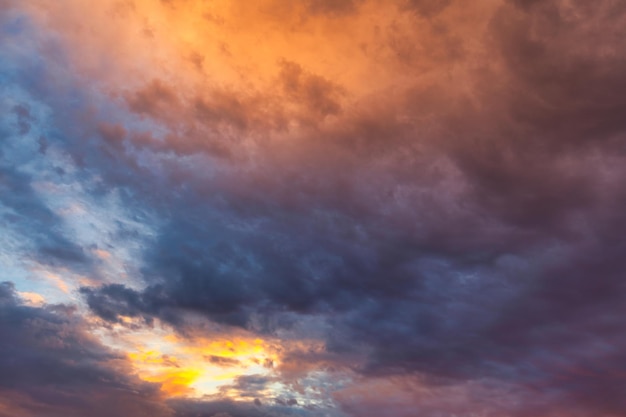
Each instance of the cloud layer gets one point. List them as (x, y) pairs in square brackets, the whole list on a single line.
[(415, 205)]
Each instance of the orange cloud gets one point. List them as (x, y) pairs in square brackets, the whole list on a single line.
[(102, 254), (57, 280), (158, 368), (32, 298), (201, 66), (196, 367)]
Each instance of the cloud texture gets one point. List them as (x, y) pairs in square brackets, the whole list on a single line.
[(340, 208)]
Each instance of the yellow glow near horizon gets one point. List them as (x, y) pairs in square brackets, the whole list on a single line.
[(194, 368)]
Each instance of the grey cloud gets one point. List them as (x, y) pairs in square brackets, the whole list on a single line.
[(239, 409), (32, 217), (448, 234), (52, 366)]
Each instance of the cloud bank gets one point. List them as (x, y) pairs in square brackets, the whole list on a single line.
[(414, 206)]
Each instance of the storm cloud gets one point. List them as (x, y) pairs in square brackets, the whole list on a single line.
[(429, 193)]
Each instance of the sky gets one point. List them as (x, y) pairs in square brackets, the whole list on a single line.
[(312, 208)]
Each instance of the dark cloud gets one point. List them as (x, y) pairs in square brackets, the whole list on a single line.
[(52, 366), (236, 409), (154, 99), (459, 234), (565, 85), (114, 135), (29, 215), (222, 361), (518, 268), (317, 94), (249, 386), (113, 301), (23, 118)]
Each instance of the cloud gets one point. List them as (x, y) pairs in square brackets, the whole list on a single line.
[(317, 94), (447, 200), (153, 100), (236, 409), (29, 214), (339, 7), (222, 361), (249, 386), (429, 8), (54, 366)]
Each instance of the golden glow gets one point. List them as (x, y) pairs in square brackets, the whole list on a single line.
[(199, 46), (201, 366), (155, 367)]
